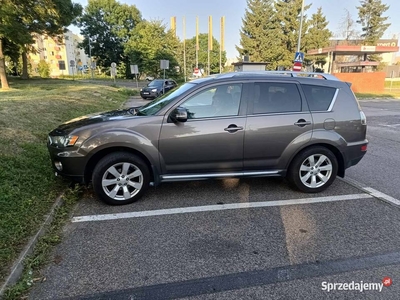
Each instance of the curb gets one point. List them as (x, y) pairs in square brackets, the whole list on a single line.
[(18, 266)]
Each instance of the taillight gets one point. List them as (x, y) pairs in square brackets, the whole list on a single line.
[(364, 148), (363, 118)]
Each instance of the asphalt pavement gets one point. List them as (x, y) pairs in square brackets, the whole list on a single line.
[(241, 238)]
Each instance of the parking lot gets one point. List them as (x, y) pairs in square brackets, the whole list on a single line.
[(242, 238)]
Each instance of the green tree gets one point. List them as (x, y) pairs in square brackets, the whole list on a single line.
[(109, 25), (43, 69), (20, 19), (203, 55), (288, 14), (318, 36), (373, 23), (260, 34), (149, 43)]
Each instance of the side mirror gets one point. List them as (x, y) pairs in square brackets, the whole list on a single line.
[(180, 114)]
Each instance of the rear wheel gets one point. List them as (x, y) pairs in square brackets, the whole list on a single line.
[(120, 178), (313, 170)]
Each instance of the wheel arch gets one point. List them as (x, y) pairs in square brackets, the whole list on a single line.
[(338, 154), (95, 158)]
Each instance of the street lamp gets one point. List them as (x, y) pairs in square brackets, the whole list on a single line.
[(301, 26)]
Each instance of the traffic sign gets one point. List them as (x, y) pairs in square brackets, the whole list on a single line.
[(299, 57), (297, 66), (196, 71), (164, 64), (113, 65), (72, 63), (134, 69)]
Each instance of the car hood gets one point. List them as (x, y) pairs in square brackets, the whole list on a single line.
[(67, 127)]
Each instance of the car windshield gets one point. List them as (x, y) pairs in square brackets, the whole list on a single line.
[(156, 83), (155, 106)]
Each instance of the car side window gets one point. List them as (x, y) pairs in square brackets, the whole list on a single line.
[(217, 101), (274, 97), (319, 98)]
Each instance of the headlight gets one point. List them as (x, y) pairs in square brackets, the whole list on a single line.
[(63, 141), (141, 89), (154, 90)]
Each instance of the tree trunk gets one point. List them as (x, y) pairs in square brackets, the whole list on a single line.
[(3, 75), (25, 74)]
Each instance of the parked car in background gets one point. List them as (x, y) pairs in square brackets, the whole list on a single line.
[(242, 124), (157, 87), (149, 78)]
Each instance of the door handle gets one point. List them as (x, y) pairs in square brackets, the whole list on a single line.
[(233, 128), (302, 123)]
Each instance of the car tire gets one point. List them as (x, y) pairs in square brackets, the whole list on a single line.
[(120, 178), (313, 170), (144, 98)]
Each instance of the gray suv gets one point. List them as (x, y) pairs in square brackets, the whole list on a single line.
[(306, 127)]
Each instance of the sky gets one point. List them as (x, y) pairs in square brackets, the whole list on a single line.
[(234, 10)]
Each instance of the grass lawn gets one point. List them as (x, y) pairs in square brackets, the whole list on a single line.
[(28, 187), (386, 94)]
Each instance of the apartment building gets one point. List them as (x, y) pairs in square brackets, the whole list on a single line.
[(59, 53)]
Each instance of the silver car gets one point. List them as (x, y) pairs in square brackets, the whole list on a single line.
[(306, 127)]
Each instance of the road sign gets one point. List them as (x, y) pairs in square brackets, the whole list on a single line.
[(164, 64), (134, 69), (93, 65), (72, 63), (299, 57), (196, 71), (113, 65), (297, 66)]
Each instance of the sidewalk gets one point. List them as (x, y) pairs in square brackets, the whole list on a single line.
[(134, 101)]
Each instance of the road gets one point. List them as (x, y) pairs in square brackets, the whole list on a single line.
[(240, 238)]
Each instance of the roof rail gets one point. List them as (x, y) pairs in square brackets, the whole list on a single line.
[(305, 74)]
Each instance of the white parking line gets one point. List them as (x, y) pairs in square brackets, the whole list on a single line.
[(383, 196), (194, 209), (371, 191)]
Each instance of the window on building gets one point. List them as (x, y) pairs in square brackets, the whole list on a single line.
[(61, 64)]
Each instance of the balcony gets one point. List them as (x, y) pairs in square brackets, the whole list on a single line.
[(57, 48), (58, 56)]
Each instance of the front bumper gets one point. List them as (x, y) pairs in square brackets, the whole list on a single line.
[(145, 94), (72, 163)]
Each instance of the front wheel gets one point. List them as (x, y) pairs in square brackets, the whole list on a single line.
[(120, 178), (313, 170)]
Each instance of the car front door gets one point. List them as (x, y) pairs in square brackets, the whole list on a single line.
[(211, 140), (278, 123)]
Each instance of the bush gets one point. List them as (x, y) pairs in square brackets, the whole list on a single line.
[(128, 92), (44, 69)]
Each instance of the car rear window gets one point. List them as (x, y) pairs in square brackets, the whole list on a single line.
[(319, 98)]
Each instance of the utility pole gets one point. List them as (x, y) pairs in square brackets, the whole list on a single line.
[(184, 47), (90, 58), (197, 42)]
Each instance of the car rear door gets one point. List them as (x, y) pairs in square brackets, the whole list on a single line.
[(278, 123)]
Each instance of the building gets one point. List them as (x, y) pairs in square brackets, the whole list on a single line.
[(351, 56), (246, 66), (59, 54)]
